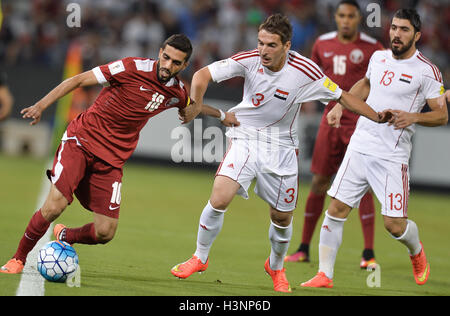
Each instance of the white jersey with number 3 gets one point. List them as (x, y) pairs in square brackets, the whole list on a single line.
[(272, 100), (403, 84)]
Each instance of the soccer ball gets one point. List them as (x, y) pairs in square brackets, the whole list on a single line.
[(56, 260)]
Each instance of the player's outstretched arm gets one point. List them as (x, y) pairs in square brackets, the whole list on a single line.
[(360, 89), (360, 107), (81, 80), (199, 84), (436, 117)]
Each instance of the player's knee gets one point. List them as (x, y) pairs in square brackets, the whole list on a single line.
[(395, 227), (219, 203), (338, 209), (282, 219), (104, 237), (105, 233)]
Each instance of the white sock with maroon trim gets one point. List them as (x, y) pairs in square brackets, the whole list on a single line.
[(410, 238), (279, 237), (210, 225), (330, 241)]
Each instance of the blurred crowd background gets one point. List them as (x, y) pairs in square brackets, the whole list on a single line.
[(35, 34), (35, 31)]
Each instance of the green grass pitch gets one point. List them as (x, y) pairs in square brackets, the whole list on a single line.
[(160, 210)]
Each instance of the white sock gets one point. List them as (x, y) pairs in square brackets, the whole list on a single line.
[(330, 241), (410, 238), (279, 237), (211, 222)]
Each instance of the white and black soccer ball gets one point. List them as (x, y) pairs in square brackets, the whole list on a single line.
[(56, 260)]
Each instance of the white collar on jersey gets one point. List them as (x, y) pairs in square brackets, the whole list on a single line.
[(275, 73)]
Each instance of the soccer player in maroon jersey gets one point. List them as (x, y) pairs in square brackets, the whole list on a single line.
[(343, 56), (97, 143)]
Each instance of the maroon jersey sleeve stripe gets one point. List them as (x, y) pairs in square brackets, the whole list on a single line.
[(435, 71), (312, 78), (306, 68), (245, 56), (439, 74), (244, 53), (308, 62)]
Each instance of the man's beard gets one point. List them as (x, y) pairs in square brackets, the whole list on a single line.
[(161, 79), (401, 51)]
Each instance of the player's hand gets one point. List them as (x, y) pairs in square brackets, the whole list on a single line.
[(189, 113), (34, 112), (387, 116), (334, 116), (230, 120), (401, 119)]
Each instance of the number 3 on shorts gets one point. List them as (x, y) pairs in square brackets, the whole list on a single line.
[(291, 195)]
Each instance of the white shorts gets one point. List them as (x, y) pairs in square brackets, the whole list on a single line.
[(388, 180), (276, 177)]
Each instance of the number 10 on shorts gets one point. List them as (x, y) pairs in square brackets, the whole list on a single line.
[(116, 196)]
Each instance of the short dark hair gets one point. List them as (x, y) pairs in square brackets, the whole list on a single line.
[(278, 24), (180, 42), (412, 16), (349, 2)]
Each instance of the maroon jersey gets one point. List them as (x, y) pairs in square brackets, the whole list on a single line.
[(344, 64), (110, 128)]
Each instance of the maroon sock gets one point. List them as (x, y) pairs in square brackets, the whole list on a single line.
[(36, 228), (82, 235), (367, 217), (313, 210)]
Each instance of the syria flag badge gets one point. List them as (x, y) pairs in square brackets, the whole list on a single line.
[(280, 94), (405, 78)]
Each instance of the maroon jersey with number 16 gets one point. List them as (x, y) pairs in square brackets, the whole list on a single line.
[(110, 128)]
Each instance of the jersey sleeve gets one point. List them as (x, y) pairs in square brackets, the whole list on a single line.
[(432, 86), (323, 90), (115, 72), (226, 69)]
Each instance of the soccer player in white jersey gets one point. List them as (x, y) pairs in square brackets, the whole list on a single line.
[(378, 155), (264, 145)]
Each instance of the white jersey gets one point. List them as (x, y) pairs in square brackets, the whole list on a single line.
[(272, 100), (404, 85)]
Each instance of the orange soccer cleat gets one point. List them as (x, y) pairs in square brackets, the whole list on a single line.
[(13, 266), (320, 280), (57, 230), (368, 264), (421, 267), (185, 269), (280, 282)]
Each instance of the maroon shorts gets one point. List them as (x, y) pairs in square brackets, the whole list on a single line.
[(329, 149), (95, 183)]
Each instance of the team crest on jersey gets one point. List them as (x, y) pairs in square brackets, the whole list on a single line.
[(356, 56), (280, 94), (406, 78)]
